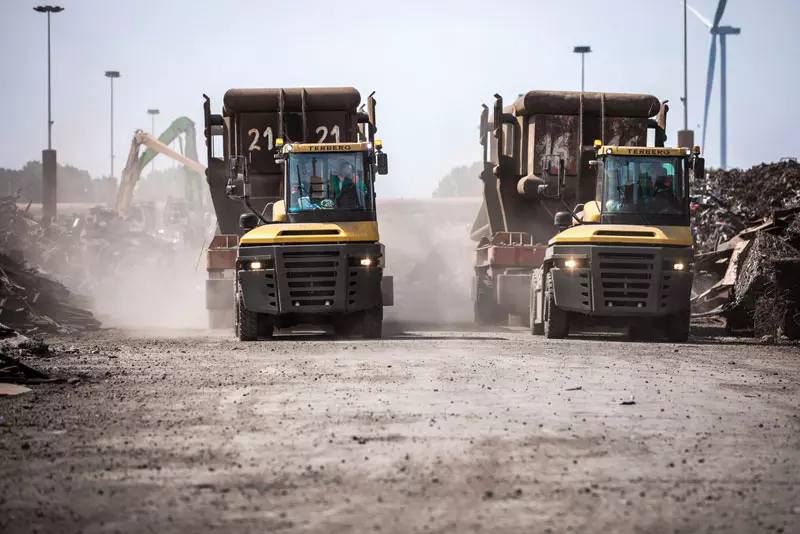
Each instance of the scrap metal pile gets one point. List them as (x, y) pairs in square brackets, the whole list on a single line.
[(31, 299), (13, 348), (747, 268), (44, 269)]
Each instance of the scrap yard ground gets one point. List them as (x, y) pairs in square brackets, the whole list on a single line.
[(425, 431)]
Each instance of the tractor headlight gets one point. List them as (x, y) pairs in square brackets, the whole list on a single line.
[(364, 261), (679, 266), (255, 265), (572, 263)]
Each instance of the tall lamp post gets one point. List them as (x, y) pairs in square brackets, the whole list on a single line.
[(153, 113), (582, 50), (49, 160), (111, 74), (685, 136)]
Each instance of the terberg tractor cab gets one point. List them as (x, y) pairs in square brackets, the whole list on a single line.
[(316, 258), (623, 259)]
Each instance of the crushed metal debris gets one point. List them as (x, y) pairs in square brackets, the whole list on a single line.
[(751, 277)]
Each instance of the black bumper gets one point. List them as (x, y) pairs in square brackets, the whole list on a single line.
[(622, 280), (310, 279)]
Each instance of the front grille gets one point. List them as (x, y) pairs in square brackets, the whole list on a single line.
[(311, 277), (626, 279)]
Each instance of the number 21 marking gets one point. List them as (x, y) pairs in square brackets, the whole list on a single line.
[(323, 131), (253, 132)]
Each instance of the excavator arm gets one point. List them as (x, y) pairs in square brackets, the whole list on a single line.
[(135, 162)]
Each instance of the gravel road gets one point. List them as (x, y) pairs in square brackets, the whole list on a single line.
[(425, 431)]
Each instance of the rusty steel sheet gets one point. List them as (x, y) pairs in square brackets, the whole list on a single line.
[(317, 99), (568, 103)]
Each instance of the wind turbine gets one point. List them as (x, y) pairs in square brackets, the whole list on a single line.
[(722, 32)]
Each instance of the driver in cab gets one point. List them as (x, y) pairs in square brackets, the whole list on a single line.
[(663, 197), (348, 189)]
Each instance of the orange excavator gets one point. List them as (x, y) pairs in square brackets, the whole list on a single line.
[(138, 160)]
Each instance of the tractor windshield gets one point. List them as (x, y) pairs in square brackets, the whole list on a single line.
[(335, 181), (636, 187)]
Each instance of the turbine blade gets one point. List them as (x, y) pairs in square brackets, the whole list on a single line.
[(699, 16), (720, 10), (712, 57)]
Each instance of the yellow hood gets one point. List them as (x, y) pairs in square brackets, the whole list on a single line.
[(625, 233), (333, 232)]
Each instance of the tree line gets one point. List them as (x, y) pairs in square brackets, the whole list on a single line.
[(461, 181), (77, 185)]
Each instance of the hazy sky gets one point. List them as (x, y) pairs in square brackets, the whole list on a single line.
[(431, 62)]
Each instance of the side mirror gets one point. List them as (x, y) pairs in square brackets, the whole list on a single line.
[(699, 168), (248, 221), (562, 220), (383, 163), (317, 188)]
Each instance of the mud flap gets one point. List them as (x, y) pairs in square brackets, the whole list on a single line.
[(387, 290)]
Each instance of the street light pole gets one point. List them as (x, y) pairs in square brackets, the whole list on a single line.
[(153, 113), (685, 136), (111, 74), (48, 10), (582, 50), (49, 160)]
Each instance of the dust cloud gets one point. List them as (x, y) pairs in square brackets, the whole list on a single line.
[(430, 255), (162, 290), (135, 275), (428, 252)]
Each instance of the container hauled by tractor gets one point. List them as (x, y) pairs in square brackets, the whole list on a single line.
[(291, 174), (583, 224)]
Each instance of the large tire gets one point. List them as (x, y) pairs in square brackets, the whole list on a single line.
[(678, 325), (486, 311), (246, 321), (372, 323), (556, 320), (345, 325), (537, 329)]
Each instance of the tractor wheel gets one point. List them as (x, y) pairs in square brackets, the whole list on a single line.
[(537, 329), (246, 321), (486, 311), (556, 320), (372, 323), (678, 325)]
